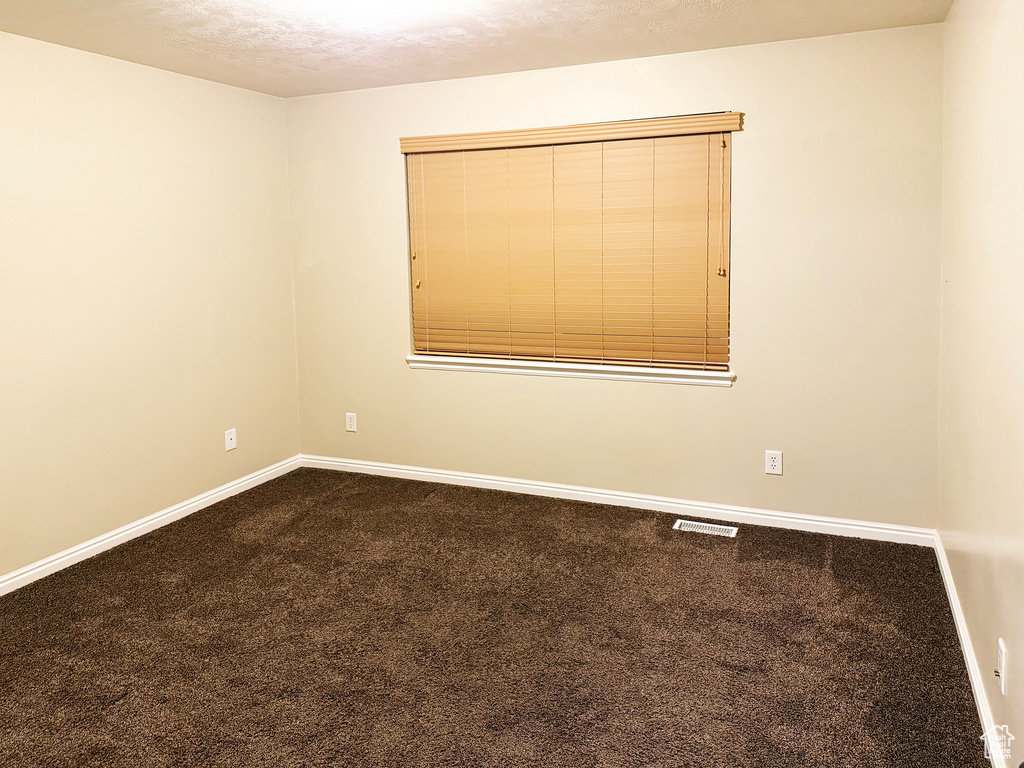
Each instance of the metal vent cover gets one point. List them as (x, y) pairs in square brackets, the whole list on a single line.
[(709, 528)]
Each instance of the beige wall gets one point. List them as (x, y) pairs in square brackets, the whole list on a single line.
[(146, 293), (982, 414), (835, 284)]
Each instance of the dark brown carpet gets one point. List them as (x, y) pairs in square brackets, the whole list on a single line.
[(333, 619)]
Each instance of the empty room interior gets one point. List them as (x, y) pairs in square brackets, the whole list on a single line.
[(360, 361)]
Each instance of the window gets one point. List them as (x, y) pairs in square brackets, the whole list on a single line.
[(593, 249)]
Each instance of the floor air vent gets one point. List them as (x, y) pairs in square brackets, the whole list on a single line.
[(714, 530)]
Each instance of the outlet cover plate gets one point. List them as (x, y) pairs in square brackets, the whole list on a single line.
[(230, 440), (350, 422), (773, 462)]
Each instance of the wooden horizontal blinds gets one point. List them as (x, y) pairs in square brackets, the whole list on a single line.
[(609, 251)]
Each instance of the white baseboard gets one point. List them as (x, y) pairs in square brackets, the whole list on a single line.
[(749, 515), (902, 534), (973, 669), (54, 563), (752, 516)]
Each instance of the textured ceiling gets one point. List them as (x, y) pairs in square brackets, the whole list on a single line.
[(297, 47)]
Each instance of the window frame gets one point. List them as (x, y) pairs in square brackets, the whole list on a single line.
[(719, 122)]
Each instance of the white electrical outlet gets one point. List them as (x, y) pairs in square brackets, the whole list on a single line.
[(1001, 665), (773, 462), (350, 422), (230, 440)]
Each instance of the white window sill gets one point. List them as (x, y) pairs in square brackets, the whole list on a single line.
[(573, 370)]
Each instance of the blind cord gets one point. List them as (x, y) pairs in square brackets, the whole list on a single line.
[(508, 246), (465, 237), (654, 237), (604, 320), (707, 258), (423, 267), (721, 211), (554, 268)]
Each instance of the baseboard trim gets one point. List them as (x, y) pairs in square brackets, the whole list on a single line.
[(902, 534), (28, 574), (748, 515), (970, 658)]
